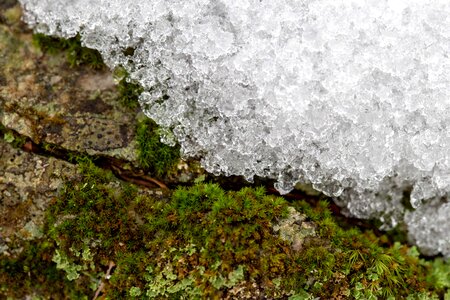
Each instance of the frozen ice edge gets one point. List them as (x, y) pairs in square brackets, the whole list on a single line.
[(351, 97)]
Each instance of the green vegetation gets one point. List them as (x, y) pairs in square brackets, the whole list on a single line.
[(361, 265), (154, 156), (76, 54), (129, 90), (11, 137), (202, 241), (32, 271)]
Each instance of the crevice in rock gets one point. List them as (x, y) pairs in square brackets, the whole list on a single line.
[(122, 169), (126, 171)]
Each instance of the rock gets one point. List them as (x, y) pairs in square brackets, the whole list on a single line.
[(44, 99), (28, 183)]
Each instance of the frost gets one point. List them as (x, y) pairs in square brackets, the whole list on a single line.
[(352, 97)]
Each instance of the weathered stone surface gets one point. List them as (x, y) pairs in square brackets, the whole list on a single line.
[(28, 182), (41, 97)]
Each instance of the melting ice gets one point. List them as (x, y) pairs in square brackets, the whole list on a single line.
[(352, 97)]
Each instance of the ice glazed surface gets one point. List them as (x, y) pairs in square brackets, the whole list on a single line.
[(352, 97)]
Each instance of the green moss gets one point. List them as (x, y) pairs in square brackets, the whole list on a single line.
[(129, 90), (439, 275), (129, 93), (364, 266), (76, 54), (200, 241), (222, 238), (94, 202), (203, 242), (153, 155)]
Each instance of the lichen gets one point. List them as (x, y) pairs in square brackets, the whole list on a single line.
[(63, 263)]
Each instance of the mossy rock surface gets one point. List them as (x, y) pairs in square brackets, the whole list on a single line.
[(105, 236), (93, 205)]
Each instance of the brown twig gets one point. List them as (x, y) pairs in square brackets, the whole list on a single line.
[(155, 181), (102, 284), (143, 180)]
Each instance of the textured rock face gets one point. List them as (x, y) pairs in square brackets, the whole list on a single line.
[(351, 97), (75, 109), (28, 183)]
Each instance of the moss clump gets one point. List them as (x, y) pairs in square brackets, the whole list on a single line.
[(204, 242), (101, 212), (361, 265), (76, 54), (129, 93), (211, 241), (153, 155), (200, 241)]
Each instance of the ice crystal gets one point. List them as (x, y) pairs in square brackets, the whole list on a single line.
[(352, 97)]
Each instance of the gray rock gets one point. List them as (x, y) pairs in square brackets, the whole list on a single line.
[(44, 99), (28, 183)]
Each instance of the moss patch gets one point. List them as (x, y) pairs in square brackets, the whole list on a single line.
[(153, 155), (202, 241), (76, 54), (32, 273), (361, 265)]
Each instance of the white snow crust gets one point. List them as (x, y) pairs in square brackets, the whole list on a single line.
[(350, 96)]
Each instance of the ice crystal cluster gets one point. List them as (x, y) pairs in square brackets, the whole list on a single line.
[(352, 97)]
